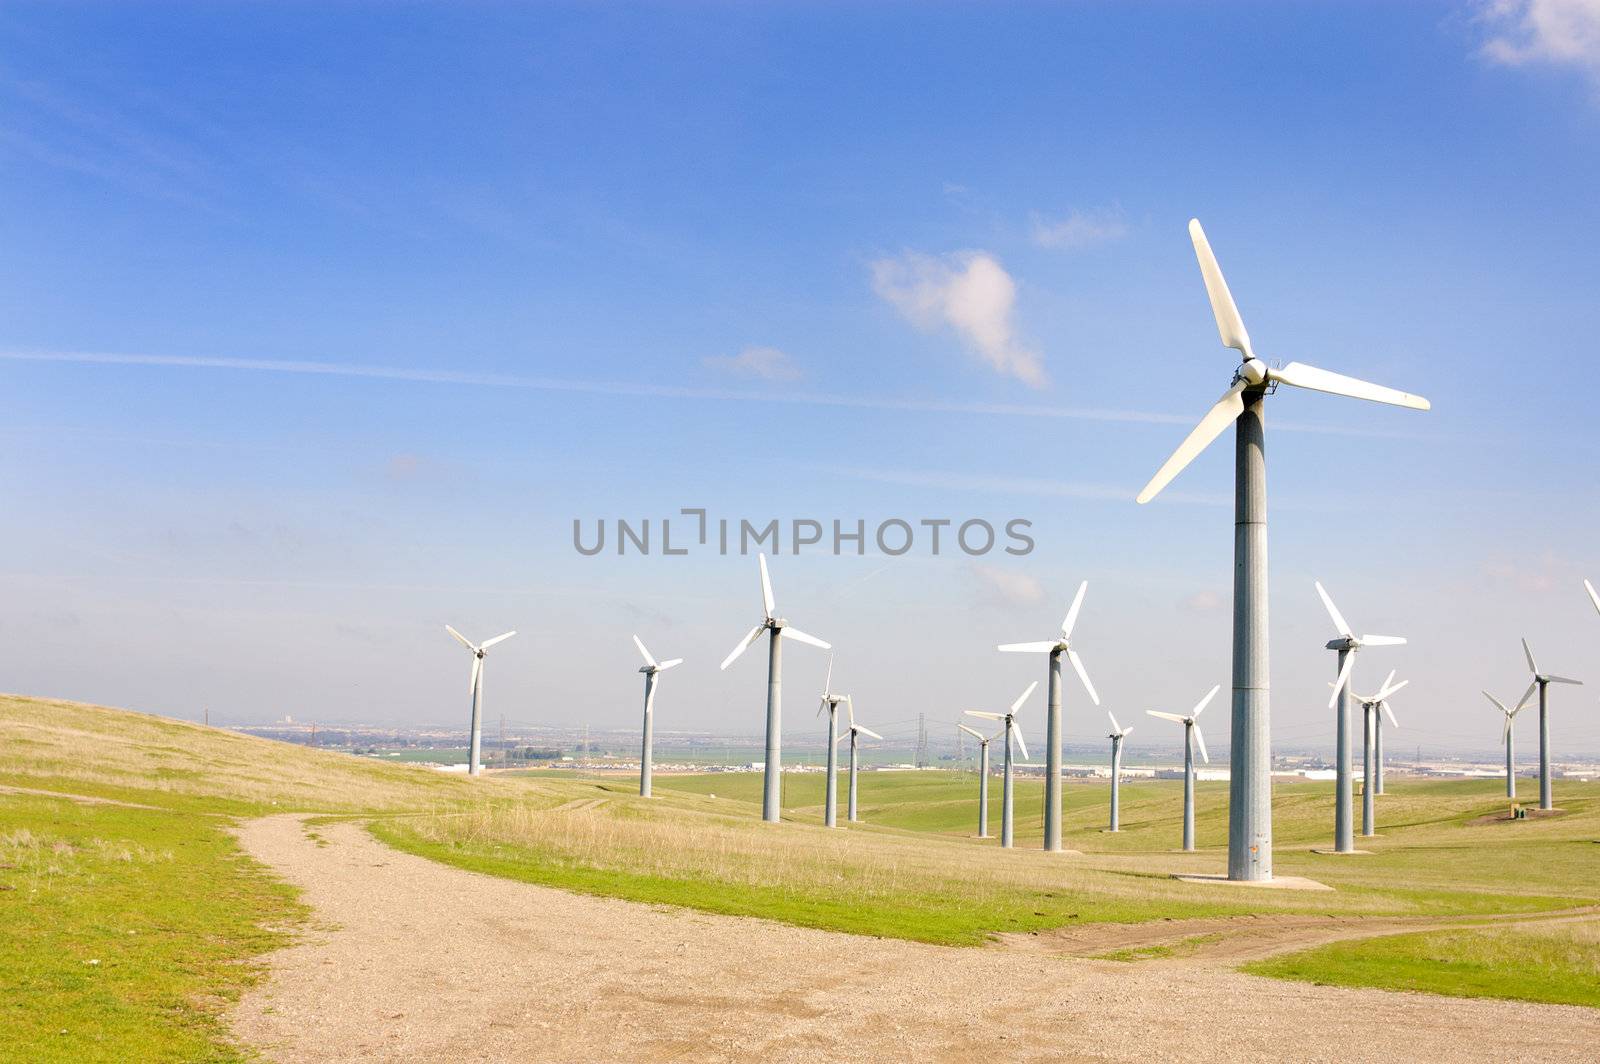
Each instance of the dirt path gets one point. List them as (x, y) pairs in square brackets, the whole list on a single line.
[(417, 961)]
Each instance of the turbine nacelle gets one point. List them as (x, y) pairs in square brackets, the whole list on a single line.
[(1253, 372)]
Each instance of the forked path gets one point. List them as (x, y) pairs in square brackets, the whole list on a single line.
[(416, 961)]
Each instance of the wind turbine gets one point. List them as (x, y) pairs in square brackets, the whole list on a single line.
[(983, 777), (1541, 680), (1594, 596), (1372, 747), (475, 688), (1052, 772), (1012, 731), (831, 702), (1347, 644), (1509, 737), (1250, 787), (1191, 735), (777, 628), (1118, 733), (855, 733), (651, 669)]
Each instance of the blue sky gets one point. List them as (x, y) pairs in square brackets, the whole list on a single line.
[(785, 261)]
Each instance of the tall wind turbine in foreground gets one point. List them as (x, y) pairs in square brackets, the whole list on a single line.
[(831, 703), (1541, 680), (1250, 787), (1347, 644), (1012, 732), (777, 628), (1191, 735), (1509, 737), (1372, 750), (1118, 733), (1052, 740), (856, 731), (651, 670), (983, 777), (475, 687)]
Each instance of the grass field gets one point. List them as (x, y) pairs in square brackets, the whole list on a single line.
[(88, 875)]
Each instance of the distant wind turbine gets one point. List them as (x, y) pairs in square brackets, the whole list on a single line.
[(1347, 644), (1191, 735), (1541, 680), (1118, 733), (855, 733), (1052, 741), (475, 687), (1372, 747), (1250, 787), (651, 670), (1509, 736), (983, 777), (777, 628), (831, 703), (1012, 731)]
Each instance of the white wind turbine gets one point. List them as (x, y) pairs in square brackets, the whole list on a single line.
[(1012, 732), (1541, 680), (475, 687), (831, 703), (651, 670), (1118, 733), (1347, 644), (1191, 735), (1372, 747), (983, 777), (777, 628), (1250, 789), (854, 735), (1509, 737), (1052, 770)]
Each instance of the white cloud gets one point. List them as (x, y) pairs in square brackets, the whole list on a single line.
[(765, 363), (1203, 602), (1562, 33), (1006, 587), (971, 293), (1079, 229)]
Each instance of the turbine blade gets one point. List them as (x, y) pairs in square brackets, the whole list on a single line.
[(1562, 679), (498, 639), (1343, 680), (1016, 733), (1383, 640), (1028, 648), (648, 660), (1206, 701), (1501, 706), (978, 735), (463, 640), (1222, 414), (1024, 696), (841, 738), (1127, 731), (744, 644), (669, 663), (985, 714), (1301, 375), (1114, 725), (1340, 625), (1527, 652), (1383, 688), (1389, 713), (822, 705), (1077, 667), (827, 681), (1389, 689), (766, 587), (864, 730), (1230, 326), (1594, 596), (1201, 739), (850, 708), (795, 633), (1164, 716), (1072, 611), (1526, 695)]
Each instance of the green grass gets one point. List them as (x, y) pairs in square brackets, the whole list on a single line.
[(123, 931), (1181, 948), (1530, 962)]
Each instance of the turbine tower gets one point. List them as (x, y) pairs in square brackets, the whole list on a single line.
[(777, 628), (1118, 733), (651, 670), (1012, 731), (1509, 737), (983, 777), (1347, 644), (1191, 735), (1052, 740), (855, 733), (475, 688), (831, 702), (1541, 680), (1372, 750), (1250, 787)]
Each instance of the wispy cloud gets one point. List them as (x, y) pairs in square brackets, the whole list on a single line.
[(1560, 33), (1079, 229), (1007, 587), (763, 363), (969, 292)]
